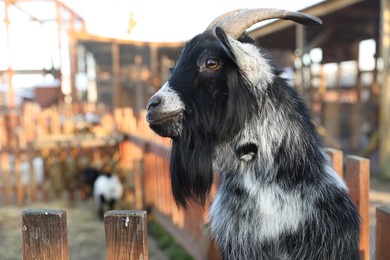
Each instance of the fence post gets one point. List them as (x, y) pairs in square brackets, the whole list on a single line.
[(19, 186), (126, 235), (33, 186), (358, 181), (336, 157), (44, 234), (139, 183), (5, 175), (382, 233)]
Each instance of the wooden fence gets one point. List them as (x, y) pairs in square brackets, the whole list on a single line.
[(44, 235), (65, 142), (146, 155), (188, 226)]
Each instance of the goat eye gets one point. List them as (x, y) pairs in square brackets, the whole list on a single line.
[(212, 63), (171, 70)]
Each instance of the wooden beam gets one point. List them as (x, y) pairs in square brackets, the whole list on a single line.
[(154, 64), (83, 36), (317, 10), (32, 17), (59, 37), (300, 41), (73, 66), (384, 144), (11, 91), (356, 115)]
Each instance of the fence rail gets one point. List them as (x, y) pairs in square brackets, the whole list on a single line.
[(145, 156)]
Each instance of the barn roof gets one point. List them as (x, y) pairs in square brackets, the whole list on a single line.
[(345, 22)]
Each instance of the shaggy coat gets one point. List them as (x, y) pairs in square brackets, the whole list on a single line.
[(227, 108)]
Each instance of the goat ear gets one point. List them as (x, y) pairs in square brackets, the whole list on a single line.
[(223, 38)]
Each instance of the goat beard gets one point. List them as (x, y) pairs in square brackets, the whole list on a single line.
[(191, 168), (191, 165)]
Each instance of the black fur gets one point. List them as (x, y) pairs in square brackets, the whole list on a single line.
[(217, 106), (278, 197)]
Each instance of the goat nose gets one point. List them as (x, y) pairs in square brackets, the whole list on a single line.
[(153, 102)]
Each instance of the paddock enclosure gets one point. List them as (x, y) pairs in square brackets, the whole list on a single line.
[(121, 142), (54, 127)]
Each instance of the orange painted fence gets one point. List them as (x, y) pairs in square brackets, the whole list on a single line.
[(127, 140), (43, 151), (189, 226)]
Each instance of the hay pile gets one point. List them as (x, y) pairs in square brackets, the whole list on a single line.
[(86, 237)]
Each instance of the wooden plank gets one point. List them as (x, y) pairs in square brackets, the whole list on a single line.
[(356, 116), (73, 65), (116, 67), (147, 176), (44, 234), (155, 148), (5, 177), (159, 185), (358, 181), (126, 235), (10, 72), (154, 180), (154, 65), (318, 10), (19, 186), (139, 184), (98, 38), (166, 187), (336, 157), (382, 233), (300, 41), (169, 198), (384, 113)]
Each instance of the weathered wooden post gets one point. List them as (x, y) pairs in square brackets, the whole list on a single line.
[(382, 233), (126, 235), (358, 181), (44, 234), (384, 123)]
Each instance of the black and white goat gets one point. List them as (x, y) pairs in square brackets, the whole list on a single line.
[(106, 188), (226, 106)]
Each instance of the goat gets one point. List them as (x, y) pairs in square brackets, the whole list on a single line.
[(106, 188), (226, 107)]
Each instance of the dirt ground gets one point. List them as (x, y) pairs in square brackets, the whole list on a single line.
[(86, 232)]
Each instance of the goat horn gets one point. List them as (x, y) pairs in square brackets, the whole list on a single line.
[(235, 23)]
